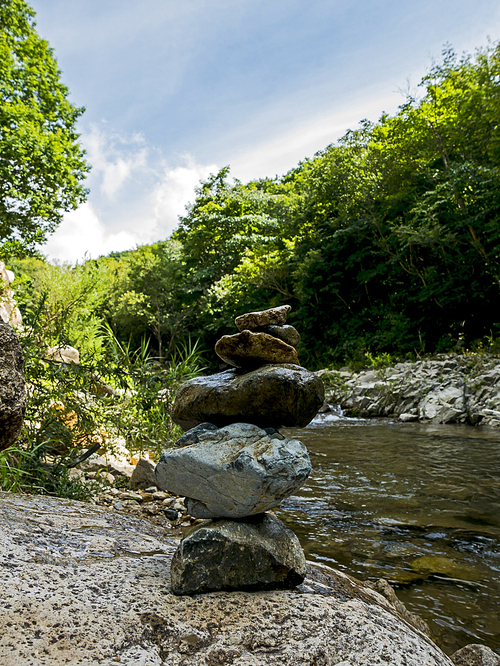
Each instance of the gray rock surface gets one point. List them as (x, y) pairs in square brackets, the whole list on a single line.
[(193, 436), (12, 386), (287, 333), (143, 475), (252, 320), (259, 554), (475, 655), (272, 395), (459, 389), (84, 585), (234, 472), (248, 349)]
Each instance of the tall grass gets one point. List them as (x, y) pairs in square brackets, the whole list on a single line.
[(126, 393)]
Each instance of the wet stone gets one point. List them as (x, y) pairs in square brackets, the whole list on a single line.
[(258, 554), (287, 333), (273, 395)]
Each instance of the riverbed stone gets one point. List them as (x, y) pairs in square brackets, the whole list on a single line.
[(287, 333), (248, 349), (12, 386), (258, 554), (236, 471), (252, 320), (82, 584), (458, 389), (475, 655), (273, 395)]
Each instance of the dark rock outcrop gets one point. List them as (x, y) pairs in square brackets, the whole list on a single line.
[(258, 554), (12, 386)]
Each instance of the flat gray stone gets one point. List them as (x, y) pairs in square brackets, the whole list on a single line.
[(287, 333), (82, 584), (234, 472), (273, 395), (261, 554), (12, 386), (248, 349), (252, 320)]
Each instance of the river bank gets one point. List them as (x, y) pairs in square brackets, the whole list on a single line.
[(447, 389)]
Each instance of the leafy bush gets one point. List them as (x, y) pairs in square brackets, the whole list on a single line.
[(73, 407)]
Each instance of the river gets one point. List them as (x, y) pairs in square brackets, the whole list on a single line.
[(417, 504)]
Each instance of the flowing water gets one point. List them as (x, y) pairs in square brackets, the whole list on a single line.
[(417, 504)]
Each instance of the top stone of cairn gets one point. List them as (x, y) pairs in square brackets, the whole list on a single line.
[(252, 320)]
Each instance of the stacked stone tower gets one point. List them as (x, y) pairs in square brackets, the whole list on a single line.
[(233, 465)]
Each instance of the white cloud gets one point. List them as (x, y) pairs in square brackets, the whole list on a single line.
[(114, 158), (176, 190), (82, 235), (148, 213)]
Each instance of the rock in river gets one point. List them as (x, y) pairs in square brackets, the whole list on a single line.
[(272, 395), (247, 349), (234, 472), (259, 554)]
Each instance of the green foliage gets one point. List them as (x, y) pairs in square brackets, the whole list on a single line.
[(41, 163), (66, 303), (149, 297), (385, 243), (119, 394), (142, 416)]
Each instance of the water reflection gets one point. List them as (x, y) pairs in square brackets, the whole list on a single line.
[(416, 504)]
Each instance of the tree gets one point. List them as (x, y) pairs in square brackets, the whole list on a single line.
[(41, 163), (149, 297)]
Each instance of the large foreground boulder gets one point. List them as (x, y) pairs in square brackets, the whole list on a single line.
[(84, 585), (12, 386), (273, 395), (234, 471), (257, 554)]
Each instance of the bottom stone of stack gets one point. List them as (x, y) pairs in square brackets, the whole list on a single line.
[(259, 553)]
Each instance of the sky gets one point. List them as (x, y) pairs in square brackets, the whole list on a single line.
[(176, 89)]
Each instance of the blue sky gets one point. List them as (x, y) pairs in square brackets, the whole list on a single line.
[(176, 89)]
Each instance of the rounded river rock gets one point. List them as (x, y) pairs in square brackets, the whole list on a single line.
[(253, 320), (273, 395)]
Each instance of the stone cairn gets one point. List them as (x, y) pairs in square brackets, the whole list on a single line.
[(233, 465)]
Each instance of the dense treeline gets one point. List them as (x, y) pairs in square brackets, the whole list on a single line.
[(387, 241)]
